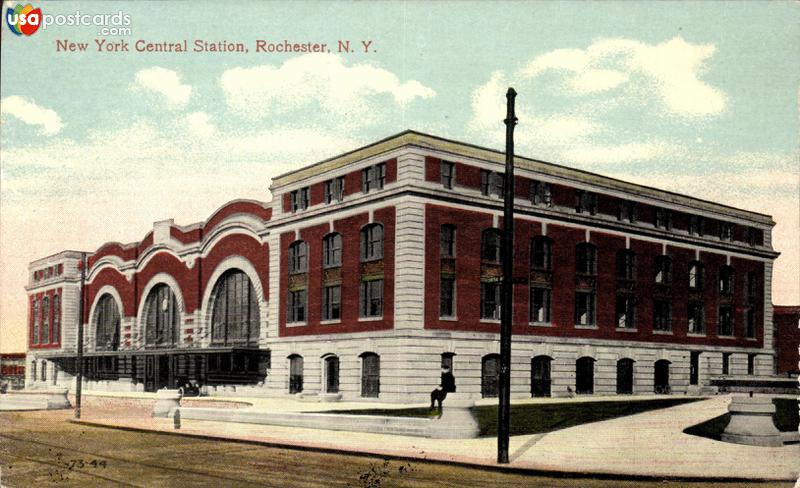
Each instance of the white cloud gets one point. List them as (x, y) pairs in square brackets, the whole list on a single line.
[(199, 124), (323, 80), (32, 114), (165, 82)]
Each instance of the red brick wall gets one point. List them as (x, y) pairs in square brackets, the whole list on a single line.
[(787, 338)]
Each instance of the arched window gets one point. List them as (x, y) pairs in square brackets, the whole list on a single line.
[(584, 376), (490, 245), (161, 317), (332, 250), (490, 376), (586, 259), (56, 319), (298, 257), (235, 319), (44, 371), (370, 375), (661, 376), (45, 320), (331, 374), (625, 376), (107, 324), (372, 242), (540, 376), (295, 373), (35, 328), (541, 252)]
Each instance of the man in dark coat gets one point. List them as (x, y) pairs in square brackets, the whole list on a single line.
[(446, 385)]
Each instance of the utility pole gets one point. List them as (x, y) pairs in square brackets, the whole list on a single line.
[(79, 369), (506, 307)]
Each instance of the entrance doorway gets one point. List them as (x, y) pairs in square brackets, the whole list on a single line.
[(625, 376), (331, 374), (490, 376), (157, 372), (661, 377), (540, 376)]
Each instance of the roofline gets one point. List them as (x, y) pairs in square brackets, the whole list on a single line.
[(39, 260), (401, 135)]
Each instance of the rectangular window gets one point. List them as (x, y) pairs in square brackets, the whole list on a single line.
[(697, 318), (696, 225), (626, 312), (626, 265), (627, 212), (586, 260), (695, 276), (751, 364), (299, 199), (663, 219), (663, 270), (750, 318), (752, 236), (298, 258), (334, 190), (447, 173), (541, 254), (35, 319), (297, 306), (492, 183), (662, 315), (587, 202), (725, 231), (447, 240), (490, 301), (726, 279), (373, 177), (332, 251), (540, 305), (725, 321), (726, 363), (541, 194), (447, 297), (751, 287), (371, 298), (332, 302), (584, 308)]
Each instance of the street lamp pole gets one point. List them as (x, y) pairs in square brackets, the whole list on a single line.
[(506, 307), (79, 369)]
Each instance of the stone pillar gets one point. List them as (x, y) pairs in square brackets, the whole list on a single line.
[(751, 422), (166, 402)]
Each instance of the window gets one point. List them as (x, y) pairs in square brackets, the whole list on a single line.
[(490, 376), (332, 302), (334, 190), (586, 259), (492, 183), (725, 321), (332, 250), (663, 270), (448, 171), (587, 202), (753, 236), (490, 301), (696, 276), (298, 257), (161, 317), (662, 315), (725, 231), (696, 225), (584, 376), (45, 321), (35, 328), (726, 363), (447, 240), (297, 306), (447, 297), (750, 318), (490, 246), (726, 280), (626, 265), (627, 212), (661, 376), (751, 287), (541, 381), (697, 317), (625, 376), (541, 194), (295, 373), (372, 242), (371, 298), (751, 364), (331, 374), (106, 324), (235, 318), (370, 375), (44, 371), (373, 177), (447, 361), (663, 219), (299, 199), (626, 312), (540, 304), (584, 308), (541, 253), (56, 319), (33, 370)]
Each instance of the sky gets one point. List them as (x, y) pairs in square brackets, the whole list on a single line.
[(698, 98)]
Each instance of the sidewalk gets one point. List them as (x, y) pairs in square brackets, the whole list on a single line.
[(646, 444)]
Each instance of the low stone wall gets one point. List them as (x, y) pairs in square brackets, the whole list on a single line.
[(44, 399)]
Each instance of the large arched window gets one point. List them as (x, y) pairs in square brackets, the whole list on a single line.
[(235, 319), (370, 375), (107, 324), (161, 317), (490, 246), (372, 242)]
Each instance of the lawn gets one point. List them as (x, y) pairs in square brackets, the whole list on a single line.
[(786, 420), (539, 417)]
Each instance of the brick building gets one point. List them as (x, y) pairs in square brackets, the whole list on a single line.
[(368, 271), (12, 370), (787, 339)]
